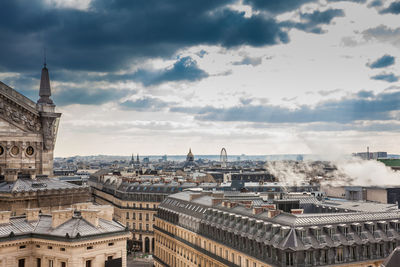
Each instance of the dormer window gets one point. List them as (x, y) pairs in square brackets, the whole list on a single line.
[(318, 234), (345, 231), (386, 228)]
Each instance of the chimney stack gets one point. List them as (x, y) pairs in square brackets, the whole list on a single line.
[(60, 216), (91, 216), (32, 215), (5, 217)]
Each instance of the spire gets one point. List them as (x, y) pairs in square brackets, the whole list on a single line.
[(45, 90), (137, 159)]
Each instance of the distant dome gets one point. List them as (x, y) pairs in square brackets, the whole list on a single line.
[(190, 156)]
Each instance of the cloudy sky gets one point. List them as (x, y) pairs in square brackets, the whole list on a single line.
[(254, 76)]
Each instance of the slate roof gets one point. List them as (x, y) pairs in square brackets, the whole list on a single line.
[(30, 185), (393, 260), (20, 226), (282, 231)]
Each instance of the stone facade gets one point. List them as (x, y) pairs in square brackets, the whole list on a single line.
[(84, 236), (28, 133), (212, 229), (135, 205)]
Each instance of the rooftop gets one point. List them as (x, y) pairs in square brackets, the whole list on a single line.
[(31, 185)]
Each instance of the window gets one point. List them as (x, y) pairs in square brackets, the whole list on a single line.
[(140, 226), (38, 262), (358, 228), (109, 258), (147, 227), (289, 259), (345, 231), (133, 226), (22, 247), (110, 244), (379, 250), (63, 264), (353, 252), (49, 247), (147, 216), (38, 246), (21, 263), (127, 215), (89, 247), (140, 216), (318, 234), (308, 257), (339, 254), (147, 206), (51, 263), (89, 263), (62, 249), (324, 256), (134, 216)]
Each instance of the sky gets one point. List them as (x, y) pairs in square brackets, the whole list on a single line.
[(256, 77)]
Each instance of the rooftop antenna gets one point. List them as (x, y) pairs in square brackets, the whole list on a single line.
[(44, 57)]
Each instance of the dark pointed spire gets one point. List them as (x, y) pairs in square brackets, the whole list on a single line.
[(45, 89)]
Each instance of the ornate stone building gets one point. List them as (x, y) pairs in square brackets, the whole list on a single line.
[(28, 132), (83, 236)]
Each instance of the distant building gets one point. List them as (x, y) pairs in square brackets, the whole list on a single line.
[(86, 236), (370, 155), (135, 205), (242, 229), (189, 163), (190, 156)]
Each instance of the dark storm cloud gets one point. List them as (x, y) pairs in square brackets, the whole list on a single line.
[(111, 34), (387, 77), (277, 6), (355, 1), (393, 8), (346, 110), (382, 62), (311, 21), (86, 96), (185, 69), (375, 3), (145, 104)]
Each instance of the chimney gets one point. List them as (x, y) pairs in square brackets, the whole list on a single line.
[(257, 210), (91, 216), (5, 217), (273, 213), (32, 215), (59, 217), (106, 212), (296, 211), (216, 201)]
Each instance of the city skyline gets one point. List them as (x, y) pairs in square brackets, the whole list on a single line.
[(277, 77)]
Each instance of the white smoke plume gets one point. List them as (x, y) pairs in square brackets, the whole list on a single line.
[(339, 172)]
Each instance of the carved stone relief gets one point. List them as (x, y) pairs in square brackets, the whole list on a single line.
[(20, 116)]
